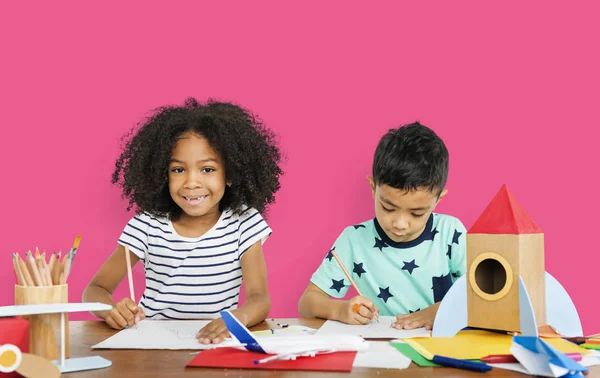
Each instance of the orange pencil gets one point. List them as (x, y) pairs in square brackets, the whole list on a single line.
[(356, 306)]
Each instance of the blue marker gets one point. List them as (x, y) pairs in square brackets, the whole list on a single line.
[(461, 364)]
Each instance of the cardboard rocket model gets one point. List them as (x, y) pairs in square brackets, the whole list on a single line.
[(506, 287)]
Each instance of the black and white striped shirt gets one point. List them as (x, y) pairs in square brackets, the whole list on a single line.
[(192, 278)]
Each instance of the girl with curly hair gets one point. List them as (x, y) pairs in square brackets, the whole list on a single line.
[(199, 177)]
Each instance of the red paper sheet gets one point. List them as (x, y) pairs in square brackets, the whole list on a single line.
[(14, 331), (237, 358)]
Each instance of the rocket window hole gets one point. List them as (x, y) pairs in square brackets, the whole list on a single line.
[(490, 276)]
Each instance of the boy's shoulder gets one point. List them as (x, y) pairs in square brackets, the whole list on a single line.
[(449, 227), (358, 230), (445, 220)]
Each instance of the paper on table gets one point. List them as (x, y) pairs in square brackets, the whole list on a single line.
[(381, 354), (159, 334), (586, 361), (375, 330)]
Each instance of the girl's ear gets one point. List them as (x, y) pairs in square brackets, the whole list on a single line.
[(229, 184)]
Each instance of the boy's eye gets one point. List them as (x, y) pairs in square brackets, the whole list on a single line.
[(418, 215), (386, 209)]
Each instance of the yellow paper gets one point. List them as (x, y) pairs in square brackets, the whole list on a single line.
[(476, 344)]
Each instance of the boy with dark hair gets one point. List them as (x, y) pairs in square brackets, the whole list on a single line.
[(406, 258)]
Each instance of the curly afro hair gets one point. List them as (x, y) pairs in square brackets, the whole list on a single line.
[(248, 150)]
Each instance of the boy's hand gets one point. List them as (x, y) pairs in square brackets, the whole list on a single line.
[(423, 318), (366, 311), (214, 332), (124, 314)]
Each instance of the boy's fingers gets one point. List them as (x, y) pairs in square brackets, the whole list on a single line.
[(364, 312), (359, 319), (367, 303)]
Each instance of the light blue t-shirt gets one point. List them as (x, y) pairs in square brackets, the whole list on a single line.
[(400, 278)]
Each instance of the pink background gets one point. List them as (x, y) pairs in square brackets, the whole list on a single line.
[(512, 87)]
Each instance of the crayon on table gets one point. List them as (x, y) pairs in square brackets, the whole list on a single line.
[(461, 364)]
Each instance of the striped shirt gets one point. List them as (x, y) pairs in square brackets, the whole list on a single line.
[(192, 278)]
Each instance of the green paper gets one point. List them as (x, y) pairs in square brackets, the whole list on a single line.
[(415, 356), (590, 346)]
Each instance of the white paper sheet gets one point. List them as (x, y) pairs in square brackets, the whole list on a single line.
[(381, 355), (158, 334), (376, 330)]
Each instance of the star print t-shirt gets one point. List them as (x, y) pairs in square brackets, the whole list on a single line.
[(400, 278)]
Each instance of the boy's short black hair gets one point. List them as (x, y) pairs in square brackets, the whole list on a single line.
[(248, 151), (410, 157)]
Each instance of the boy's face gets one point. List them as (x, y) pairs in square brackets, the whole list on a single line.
[(196, 176), (403, 214)]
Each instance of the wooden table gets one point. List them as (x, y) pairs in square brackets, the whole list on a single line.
[(164, 363)]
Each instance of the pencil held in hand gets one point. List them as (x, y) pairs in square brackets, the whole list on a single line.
[(356, 306), (129, 274)]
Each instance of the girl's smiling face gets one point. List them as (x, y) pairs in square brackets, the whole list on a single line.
[(196, 177)]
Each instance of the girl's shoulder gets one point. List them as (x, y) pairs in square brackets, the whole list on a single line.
[(145, 221)]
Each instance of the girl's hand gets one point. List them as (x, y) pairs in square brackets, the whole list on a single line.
[(358, 310), (124, 314), (214, 332)]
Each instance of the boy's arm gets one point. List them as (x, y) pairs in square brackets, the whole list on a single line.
[(257, 303), (106, 280), (316, 303)]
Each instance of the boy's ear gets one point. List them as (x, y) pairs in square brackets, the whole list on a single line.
[(372, 184), (442, 194)]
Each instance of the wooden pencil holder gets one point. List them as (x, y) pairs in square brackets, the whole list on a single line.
[(45, 330)]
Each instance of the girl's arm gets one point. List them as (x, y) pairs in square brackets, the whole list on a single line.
[(106, 280), (257, 303)]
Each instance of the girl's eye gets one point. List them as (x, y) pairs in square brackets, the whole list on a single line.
[(208, 169), (418, 215), (177, 170)]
